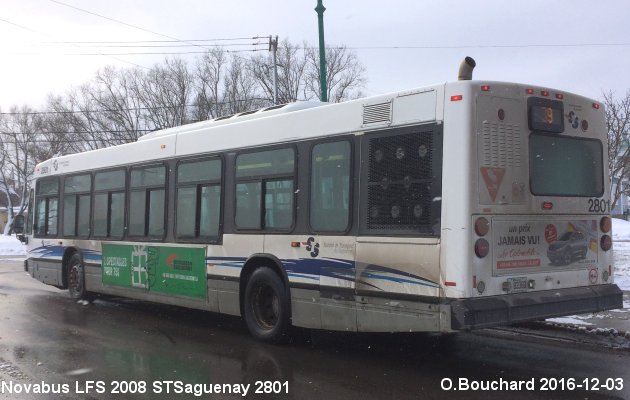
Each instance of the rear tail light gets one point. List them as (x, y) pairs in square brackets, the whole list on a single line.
[(482, 248), (482, 226), (605, 242), (605, 224)]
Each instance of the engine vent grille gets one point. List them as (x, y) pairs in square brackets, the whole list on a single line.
[(399, 182), (501, 144), (377, 113)]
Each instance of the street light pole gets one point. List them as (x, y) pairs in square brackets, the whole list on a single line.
[(322, 51), (273, 47)]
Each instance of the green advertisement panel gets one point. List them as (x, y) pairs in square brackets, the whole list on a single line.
[(163, 269)]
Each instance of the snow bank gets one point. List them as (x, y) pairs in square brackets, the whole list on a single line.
[(621, 252), (573, 320), (620, 229), (10, 246)]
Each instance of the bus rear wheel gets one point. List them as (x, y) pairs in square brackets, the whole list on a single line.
[(76, 278), (266, 306)]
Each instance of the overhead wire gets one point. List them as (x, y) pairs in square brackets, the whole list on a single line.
[(175, 53), (163, 41), (48, 35), (137, 54), (128, 25)]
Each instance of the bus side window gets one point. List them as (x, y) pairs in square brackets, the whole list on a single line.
[(330, 187), (265, 190), (147, 202), (198, 200), (77, 205), (109, 204), (46, 211)]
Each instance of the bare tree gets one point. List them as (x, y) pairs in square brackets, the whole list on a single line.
[(344, 74), (298, 73), (19, 152), (618, 126), (292, 73), (120, 112), (80, 116), (240, 88), (163, 93), (209, 78), (101, 113)]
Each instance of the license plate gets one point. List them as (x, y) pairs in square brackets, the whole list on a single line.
[(518, 284)]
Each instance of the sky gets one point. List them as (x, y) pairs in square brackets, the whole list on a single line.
[(572, 45)]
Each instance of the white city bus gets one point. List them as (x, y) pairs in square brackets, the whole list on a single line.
[(455, 206)]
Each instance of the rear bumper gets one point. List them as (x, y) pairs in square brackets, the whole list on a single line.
[(518, 307)]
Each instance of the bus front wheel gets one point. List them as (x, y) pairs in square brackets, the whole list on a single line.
[(76, 278), (266, 306)]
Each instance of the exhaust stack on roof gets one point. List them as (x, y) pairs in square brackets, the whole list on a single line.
[(466, 69)]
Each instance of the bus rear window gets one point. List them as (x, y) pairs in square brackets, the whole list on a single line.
[(565, 166)]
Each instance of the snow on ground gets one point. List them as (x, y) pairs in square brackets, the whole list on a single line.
[(621, 251), (621, 229), (574, 320), (10, 246)]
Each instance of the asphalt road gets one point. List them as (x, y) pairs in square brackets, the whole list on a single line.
[(143, 350)]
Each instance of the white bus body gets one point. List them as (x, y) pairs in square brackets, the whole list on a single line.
[(494, 251)]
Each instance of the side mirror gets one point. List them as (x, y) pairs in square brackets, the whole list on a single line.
[(18, 224)]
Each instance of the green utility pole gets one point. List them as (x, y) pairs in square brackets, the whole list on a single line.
[(322, 50)]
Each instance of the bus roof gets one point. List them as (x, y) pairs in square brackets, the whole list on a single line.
[(289, 123), (238, 117), (277, 124)]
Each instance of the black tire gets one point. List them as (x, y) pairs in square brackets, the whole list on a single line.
[(76, 278), (266, 306)]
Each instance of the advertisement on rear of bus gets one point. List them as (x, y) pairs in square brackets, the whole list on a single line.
[(544, 244)]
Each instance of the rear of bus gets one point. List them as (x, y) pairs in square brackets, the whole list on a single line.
[(535, 232)]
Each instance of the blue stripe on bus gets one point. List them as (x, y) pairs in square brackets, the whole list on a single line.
[(58, 251), (336, 268), (315, 278), (380, 268), (232, 265), (304, 267), (398, 280)]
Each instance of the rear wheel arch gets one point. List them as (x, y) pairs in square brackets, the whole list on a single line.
[(265, 299), (65, 264), (74, 270), (261, 260)]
